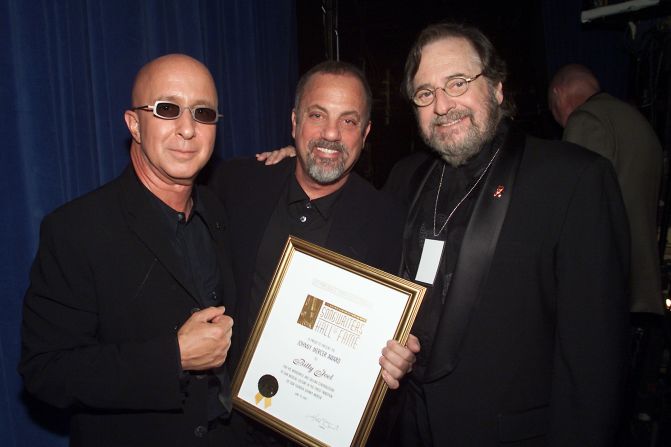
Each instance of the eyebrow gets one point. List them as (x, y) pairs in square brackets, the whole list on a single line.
[(322, 109), (177, 99), (446, 78)]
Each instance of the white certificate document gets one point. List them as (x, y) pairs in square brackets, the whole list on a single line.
[(310, 369)]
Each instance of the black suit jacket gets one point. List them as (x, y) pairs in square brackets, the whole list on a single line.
[(530, 349), (366, 224), (107, 295)]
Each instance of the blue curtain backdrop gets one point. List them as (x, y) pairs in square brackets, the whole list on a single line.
[(66, 70)]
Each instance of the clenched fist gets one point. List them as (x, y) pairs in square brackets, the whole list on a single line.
[(204, 339)]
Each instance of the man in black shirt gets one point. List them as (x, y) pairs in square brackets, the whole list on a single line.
[(112, 326), (316, 197), (523, 244)]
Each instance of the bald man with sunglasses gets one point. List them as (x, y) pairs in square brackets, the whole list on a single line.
[(125, 320)]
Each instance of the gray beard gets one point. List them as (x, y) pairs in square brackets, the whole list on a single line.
[(456, 154), (326, 171)]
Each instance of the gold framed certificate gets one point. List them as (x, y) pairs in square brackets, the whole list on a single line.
[(310, 368)]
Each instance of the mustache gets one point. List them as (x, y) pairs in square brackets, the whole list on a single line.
[(330, 145), (451, 116)]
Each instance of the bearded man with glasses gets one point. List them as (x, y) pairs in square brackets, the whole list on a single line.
[(523, 245), (112, 324)]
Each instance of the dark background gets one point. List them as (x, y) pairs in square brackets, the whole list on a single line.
[(66, 68), (534, 37)]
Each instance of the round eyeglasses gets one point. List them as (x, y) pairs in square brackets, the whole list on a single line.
[(170, 111), (453, 87)]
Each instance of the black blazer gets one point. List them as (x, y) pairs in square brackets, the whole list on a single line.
[(107, 295), (531, 344), (367, 224)]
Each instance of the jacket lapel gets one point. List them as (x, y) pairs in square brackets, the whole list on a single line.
[(141, 216), (345, 233), (215, 218), (475, 258)]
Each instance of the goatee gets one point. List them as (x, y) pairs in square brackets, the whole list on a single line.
[(326, 170)]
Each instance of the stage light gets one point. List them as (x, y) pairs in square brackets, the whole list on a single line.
[(618, 8)]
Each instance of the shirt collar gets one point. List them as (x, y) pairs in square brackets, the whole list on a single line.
[(175, 218), (323, 205)]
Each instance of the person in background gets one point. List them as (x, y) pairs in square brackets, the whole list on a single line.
[(618, 131), (612, 128)]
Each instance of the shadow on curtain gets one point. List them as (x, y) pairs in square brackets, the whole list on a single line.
[(67, 71)]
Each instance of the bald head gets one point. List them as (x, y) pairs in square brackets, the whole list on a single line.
[(170, 66), (570, 87), (167, 153)]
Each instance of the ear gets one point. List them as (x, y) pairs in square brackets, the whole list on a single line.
[(561, 105), (365, 132), (293, 123), (133, 124), (498, 93)]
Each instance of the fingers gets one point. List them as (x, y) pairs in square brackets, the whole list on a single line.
[(397, 361), (393, 363), (270, 157), (263, 156), (204, 339), (413, 344), (274, 157), (391, 382), (225, 319), (400, 356), (208, 314), (286, 151)]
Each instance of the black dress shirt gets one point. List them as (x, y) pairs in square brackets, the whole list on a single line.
[(456, 184), (192, 241), (296, 215)]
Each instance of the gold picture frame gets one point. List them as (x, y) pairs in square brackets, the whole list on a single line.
[(310, 367)]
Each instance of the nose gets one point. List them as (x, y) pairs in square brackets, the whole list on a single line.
[(186, 126), (443, 102), (331, 130)]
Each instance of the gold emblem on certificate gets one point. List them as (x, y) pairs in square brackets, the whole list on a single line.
[(332, 321), (268, 387), (310, 311)]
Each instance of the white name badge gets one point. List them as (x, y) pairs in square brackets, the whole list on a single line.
[(430, 260)]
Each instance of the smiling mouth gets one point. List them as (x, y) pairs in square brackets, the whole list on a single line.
[(326, 150), (451, 122)]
